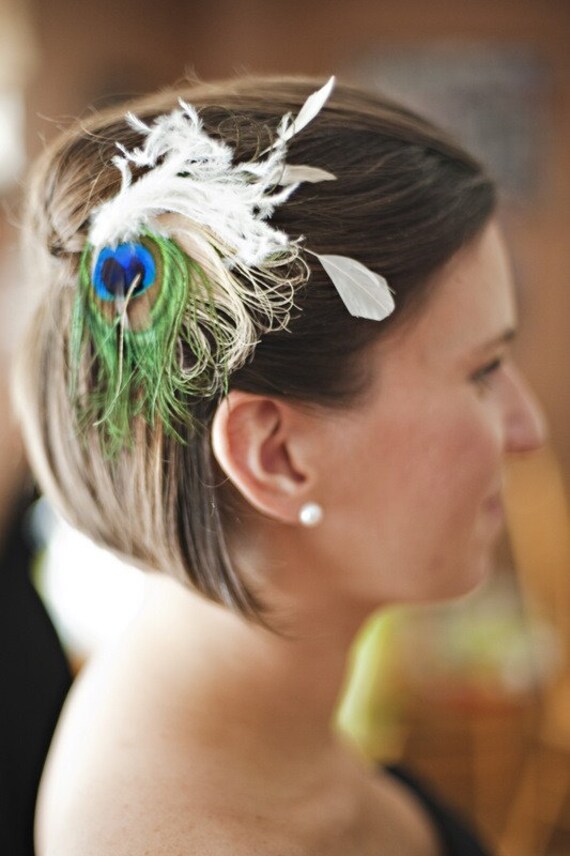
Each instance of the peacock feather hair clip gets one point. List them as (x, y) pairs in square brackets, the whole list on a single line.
[(182, 273)]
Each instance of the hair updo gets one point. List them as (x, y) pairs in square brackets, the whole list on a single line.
[(406, 198)]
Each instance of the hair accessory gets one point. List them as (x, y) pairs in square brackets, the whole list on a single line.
[(364, 293), (193, 175), (310, 514), (182, 273), (128, 269)]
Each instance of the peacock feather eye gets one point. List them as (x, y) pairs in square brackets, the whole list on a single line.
[(127, 280), (117, 270)]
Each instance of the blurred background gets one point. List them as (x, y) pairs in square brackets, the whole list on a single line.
[(475, 695)]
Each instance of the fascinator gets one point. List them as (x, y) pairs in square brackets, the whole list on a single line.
[(183, 272)]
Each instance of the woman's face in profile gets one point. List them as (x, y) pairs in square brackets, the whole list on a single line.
[(415, 476)]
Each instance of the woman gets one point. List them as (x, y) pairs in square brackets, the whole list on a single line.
[(216, 386)]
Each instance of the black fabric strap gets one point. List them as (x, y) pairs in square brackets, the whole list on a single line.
[(456, 835)]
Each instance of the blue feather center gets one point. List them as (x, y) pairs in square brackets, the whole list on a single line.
[(117, 269)]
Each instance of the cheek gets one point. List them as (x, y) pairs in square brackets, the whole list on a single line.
[(453, 465), (410, 461), (455, 460), (412, 496)]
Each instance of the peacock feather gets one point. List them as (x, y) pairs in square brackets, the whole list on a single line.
[(146, 334)]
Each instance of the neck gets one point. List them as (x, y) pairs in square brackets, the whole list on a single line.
[(261, 699)]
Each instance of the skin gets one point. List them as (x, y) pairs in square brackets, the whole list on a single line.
[(208, 734)]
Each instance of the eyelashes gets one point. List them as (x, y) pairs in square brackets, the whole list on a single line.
[(484, 375)]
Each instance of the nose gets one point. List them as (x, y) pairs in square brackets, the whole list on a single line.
[(525, 422)]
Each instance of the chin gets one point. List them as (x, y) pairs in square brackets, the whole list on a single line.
[(478, 569), (464, 576)]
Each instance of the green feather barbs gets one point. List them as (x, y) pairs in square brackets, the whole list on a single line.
[(145, 350)]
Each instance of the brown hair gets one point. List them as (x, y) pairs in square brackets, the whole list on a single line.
[(405, 200)]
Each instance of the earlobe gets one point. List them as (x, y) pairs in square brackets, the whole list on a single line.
[(254, 440)]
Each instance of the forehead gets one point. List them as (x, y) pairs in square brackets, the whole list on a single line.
[(472, 302)]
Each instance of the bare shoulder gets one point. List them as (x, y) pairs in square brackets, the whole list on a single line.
[(102, 791), (122, 781), (145, 831), (113, 787), (126, 806), (129, 817)]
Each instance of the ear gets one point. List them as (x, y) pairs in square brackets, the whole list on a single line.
[(264, 447)]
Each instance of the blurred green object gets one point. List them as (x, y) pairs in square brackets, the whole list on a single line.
[(370, 712), (481, 650)]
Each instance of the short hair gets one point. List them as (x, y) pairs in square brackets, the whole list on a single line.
[(405, 200)]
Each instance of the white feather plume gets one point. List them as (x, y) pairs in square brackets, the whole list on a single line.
[(297, 173), (311, 108), (364, 293), (193, 175)]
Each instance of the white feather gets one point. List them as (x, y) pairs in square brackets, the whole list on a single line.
[(312, 106), (364, 293), (296, 173), (191, 174)]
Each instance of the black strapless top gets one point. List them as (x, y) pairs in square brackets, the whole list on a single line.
[(456, 836)]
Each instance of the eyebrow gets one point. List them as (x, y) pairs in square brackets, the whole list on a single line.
[(502, 339)]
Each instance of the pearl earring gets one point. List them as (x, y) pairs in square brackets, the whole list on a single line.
[(310, 514)]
